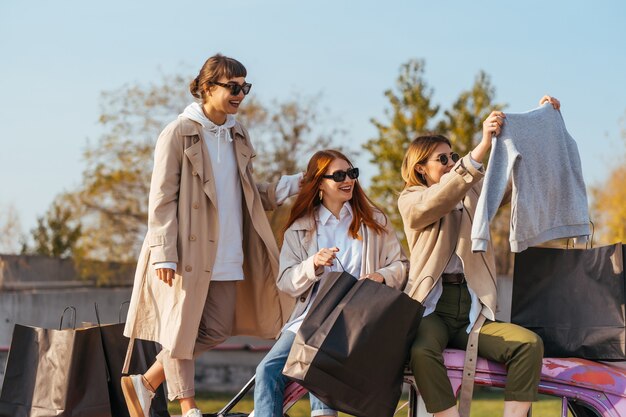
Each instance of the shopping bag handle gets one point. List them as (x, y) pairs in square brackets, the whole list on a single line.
[(95, 306), (119, 314), (589, 243), (131, 342), (340, 264), (73, 310)]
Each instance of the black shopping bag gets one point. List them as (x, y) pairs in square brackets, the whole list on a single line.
[(52, 372), (573, 299), (115, 345), (144, 354), (351, 349)]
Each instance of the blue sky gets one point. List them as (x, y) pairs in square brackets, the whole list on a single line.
[(57, 57)]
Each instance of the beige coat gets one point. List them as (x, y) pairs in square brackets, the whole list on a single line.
[(435, 230), (183, 227), (382, 253)]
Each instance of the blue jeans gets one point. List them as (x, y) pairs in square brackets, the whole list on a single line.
[(269, 388)]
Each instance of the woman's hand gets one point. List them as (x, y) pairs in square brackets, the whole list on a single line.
[(166, 275), (491, 126), (325, 257), (375, 276), (555, 103)]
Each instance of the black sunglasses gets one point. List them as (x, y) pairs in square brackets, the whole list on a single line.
[(235, 88), (443, 158), (339, 176)]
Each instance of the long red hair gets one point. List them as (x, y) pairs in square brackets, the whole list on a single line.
[(308, 199)]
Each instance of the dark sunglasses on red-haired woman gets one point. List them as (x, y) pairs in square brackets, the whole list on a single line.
[(339, 176)]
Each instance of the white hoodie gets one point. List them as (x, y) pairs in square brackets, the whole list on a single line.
[(229, 259)]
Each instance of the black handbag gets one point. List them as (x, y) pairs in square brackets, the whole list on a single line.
[(352, 346), (574, 299)]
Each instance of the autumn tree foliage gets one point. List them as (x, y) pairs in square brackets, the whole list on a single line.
[(111, 203), (608, 206)]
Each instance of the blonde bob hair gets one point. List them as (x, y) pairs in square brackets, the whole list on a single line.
[(418, 152)]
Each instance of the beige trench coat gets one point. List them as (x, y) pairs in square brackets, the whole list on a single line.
[(183, 227), (382, 253), (430, 219), (435, 230)]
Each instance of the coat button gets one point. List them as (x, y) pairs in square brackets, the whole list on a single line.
[(196, 205), (192, 237), (194, 172), (302, 299), (188, 268)]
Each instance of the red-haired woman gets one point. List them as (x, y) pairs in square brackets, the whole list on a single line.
[(332, 218)]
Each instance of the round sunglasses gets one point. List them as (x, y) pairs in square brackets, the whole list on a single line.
[(339, 176), (443, 158), (235, 88)]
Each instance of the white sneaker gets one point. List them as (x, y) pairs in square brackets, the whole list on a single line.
[(194, 412), (137, 396)]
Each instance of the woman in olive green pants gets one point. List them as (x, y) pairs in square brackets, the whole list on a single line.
[(518, 348), (457, 286)]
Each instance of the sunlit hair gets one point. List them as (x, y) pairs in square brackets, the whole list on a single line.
[(418, 153), (214, 68), (308, 199)]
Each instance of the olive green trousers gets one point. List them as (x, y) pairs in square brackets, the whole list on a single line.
[(520, 349)]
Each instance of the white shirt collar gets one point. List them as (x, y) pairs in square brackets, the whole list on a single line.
[(324, 215)]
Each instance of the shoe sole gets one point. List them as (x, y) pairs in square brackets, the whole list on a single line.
[(130, 395)]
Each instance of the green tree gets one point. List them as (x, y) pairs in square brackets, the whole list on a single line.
[(411, 112), (463, 121), (57, 232)]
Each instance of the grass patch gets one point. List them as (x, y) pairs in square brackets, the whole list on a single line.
[(487, 402)]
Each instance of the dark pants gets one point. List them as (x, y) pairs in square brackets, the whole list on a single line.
[(518, 348)]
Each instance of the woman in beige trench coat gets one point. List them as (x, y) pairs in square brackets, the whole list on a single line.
[(208, 266), (456, 286)]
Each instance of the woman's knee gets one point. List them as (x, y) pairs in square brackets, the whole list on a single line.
[(423, 354), (531, 346), (261, 370)]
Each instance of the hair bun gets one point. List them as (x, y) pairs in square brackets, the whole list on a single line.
[(193, 88)]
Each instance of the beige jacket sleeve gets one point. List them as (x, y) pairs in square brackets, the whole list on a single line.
[(297, 274), (267, 190), (422, 206), (396, 265), (163, 198)]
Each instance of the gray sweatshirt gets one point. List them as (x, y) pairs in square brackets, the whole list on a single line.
[(549, 200)]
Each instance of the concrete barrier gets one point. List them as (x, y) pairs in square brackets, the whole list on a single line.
[(223, 370), (34, 291)]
